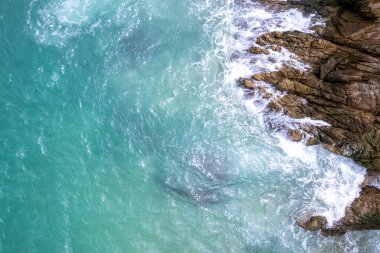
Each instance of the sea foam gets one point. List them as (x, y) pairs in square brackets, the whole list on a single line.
[(337, 180)]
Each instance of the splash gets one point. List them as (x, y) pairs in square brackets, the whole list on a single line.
[(337, 179)]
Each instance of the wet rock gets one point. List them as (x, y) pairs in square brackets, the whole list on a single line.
[(363, 213), (312, 223), (258, 50), (312, 141), (341, 88), (247, 83), (276, 48), (295, 135), (372, 177)]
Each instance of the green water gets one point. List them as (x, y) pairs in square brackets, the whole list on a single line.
[(120, 133)]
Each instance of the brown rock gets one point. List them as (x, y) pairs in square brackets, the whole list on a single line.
[(342, 88), (348, 98), (247, 83), (295, 135), (258, 50), (327, 67), (312, 141), (363, 213), (367, 8), (276, 48), (312, 223)]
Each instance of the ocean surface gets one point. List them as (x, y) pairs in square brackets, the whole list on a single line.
[(122, 129)]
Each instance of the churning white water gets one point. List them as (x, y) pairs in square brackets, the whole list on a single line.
[(123, 130)]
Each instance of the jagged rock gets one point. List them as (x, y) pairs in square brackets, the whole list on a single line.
[(258, 50), (276, 48), (312, 223), (248, 83), (341, 87), (355, 31), (363, 213), (367, 8), (328, 67), (295, 135), (348, 98)]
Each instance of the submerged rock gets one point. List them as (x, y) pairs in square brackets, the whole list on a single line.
[(341, 88)]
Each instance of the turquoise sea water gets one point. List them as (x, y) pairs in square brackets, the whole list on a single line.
[(122, 130)]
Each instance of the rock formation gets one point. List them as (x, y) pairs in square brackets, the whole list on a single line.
[(342, 88), (364, 213)]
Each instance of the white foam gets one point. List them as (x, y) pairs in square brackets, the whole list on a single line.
[(53, 23), (374, 181), (253, 21), (309, 121), (339, 188), (336, 184), (298, 150), (336, 180), (236, 70), (41, 144), (73, 11)]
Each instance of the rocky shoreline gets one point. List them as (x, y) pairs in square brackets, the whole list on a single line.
[(341, 88)]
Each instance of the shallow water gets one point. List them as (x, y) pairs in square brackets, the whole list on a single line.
[(122, 130)]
